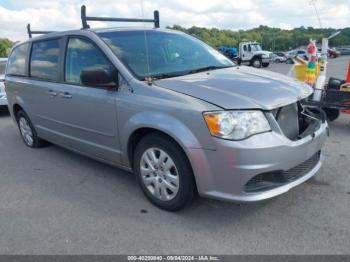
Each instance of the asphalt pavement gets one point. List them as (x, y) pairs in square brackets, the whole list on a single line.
[(53, 201)]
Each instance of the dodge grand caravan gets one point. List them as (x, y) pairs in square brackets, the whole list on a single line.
[(169, 108)]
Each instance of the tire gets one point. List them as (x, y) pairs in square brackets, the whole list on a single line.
[(27, 131), (265, 64), (332, 113), (256, 62), (289, 61), (175, 185)]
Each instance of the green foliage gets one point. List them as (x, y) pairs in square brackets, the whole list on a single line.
[(5, 47), (274, 39)]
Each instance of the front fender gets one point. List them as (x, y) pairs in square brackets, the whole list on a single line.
[(161, 122)]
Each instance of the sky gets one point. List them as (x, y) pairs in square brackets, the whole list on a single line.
[(224, 14)]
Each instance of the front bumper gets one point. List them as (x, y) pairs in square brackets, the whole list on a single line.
[(266, 60), (224, 173)]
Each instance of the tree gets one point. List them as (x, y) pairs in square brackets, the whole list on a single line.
[(5, 47), (274, 39)]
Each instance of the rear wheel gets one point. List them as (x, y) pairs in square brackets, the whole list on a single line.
[(163, 172), (28, 133)]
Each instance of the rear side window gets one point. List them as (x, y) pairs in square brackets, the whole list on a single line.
[(81, 55), (44, 61), (17, 61)]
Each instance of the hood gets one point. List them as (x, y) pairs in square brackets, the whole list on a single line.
[(262, 52), (240, 88)]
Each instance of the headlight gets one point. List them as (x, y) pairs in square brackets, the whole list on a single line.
[(236, 125), (265, 56)]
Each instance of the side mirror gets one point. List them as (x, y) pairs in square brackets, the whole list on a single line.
[(99, 77)]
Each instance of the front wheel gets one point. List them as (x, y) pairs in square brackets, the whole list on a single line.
[(265, 64), (163, 172), (257, 63)]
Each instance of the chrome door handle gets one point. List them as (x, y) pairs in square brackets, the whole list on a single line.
[(52, 93), (66, 95)]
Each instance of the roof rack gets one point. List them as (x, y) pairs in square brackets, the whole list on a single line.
[(30, 32), (85, 18)]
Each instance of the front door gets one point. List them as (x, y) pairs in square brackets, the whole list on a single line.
[(87, 115)]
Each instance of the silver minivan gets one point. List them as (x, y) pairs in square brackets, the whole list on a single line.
[(169, 108)]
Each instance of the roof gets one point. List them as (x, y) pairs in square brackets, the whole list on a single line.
[(97, 31), (127, 29)]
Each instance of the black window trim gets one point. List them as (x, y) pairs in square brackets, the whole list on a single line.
[(61, 45), (86, 38)]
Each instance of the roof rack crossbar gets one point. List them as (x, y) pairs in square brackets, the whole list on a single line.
[(85, 18), (31, 33)]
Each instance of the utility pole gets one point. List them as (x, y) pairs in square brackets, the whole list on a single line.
[(313, 3)]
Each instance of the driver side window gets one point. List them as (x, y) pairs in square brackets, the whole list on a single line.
[(81, 55)]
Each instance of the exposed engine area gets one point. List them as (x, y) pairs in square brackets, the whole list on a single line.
[(298, 121)]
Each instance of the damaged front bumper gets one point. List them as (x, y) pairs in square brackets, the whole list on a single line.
[(264, 165)]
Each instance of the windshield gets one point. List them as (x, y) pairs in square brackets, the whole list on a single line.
[(164, 54), (2, 67), (255, 47)]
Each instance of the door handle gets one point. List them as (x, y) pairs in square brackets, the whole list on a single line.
[(52, 93), (66, 95)]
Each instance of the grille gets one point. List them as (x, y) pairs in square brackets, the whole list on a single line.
[(274, 179), (303, 168)]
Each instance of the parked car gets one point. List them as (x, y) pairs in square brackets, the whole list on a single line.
[(333, 53), (279, 57), (344, 51), (291, 54), (176, 112), (3, 99)]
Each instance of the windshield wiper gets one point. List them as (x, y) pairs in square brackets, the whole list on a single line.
[(161, 76), (175, 74), (206, 68)]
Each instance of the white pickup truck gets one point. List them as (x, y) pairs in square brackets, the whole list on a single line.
[(251, 53)]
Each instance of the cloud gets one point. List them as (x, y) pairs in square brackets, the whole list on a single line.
[(228, 14)]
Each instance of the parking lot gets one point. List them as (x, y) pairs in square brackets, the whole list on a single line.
[(53, 201)]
